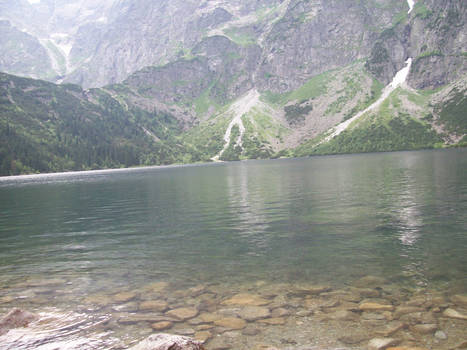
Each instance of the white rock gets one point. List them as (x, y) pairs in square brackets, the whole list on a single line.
[(441, 335), (164, 341), (381, 343)]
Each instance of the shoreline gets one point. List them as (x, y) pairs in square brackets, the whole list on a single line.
[(207, 163)]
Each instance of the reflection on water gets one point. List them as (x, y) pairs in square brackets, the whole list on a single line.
[(260, 226), (249, 208)]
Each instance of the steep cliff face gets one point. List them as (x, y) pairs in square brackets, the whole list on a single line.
[(434, 35), (317, 36), (26, 55), (217, 66), (148, 33), (438, 42), (97, 43)]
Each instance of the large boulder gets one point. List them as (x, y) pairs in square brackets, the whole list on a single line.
[(14, 319), (164, 341)]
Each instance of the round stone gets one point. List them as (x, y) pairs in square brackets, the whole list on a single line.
[(160, 326)]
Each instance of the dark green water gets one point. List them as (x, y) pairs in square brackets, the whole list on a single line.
[(320, 220)]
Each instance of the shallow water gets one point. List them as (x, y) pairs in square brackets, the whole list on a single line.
[(70, 241)]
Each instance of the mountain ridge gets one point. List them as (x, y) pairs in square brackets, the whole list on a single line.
[(311, 65)]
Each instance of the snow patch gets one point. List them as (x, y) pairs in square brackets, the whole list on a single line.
[(63, 42), (102, 19), (399, 78), (33, 2), (411, 5), (239, 109)]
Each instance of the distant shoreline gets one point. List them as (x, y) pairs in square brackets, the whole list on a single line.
[(179, 165)]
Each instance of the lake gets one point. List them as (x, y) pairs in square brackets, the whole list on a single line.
[(277, 252)]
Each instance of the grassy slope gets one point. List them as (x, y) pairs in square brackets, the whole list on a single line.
[(392, 127)]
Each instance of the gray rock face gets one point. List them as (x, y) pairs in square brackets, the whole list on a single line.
[(97, 43), (220, 65), (148, 33), (433, 34), (168, 342), (316, 36), (22, 53)]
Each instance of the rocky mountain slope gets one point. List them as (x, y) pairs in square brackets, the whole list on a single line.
[(241, 79)]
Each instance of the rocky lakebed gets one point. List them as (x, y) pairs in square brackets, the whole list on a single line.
[(370, 313)]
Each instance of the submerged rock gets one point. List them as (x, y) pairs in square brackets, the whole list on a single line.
[(424, 328), (203, 336), (16, 318), (156, 286), (404, 310), (370, 282), (369, 293), (381, 343), (252, 313), (209, 317), (280, 312), (406, 348), (343, 315), (375, 307), (128, 307), (451, 313), (160, 326), (168, 342), (310, 290), (250, 330), (230, 323), (6, 299), (246, 299), (354, 338), (183, 313), (460, 300), (441, 335), (391, 328), (124, 297), (100, 300), (153, 305), (146, 317), (274, 321)]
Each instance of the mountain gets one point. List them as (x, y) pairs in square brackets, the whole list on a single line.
[(229, 80)]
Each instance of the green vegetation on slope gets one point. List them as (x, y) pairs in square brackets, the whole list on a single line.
[(387, 129), (314, 87), (47, 128), (453, 113)]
